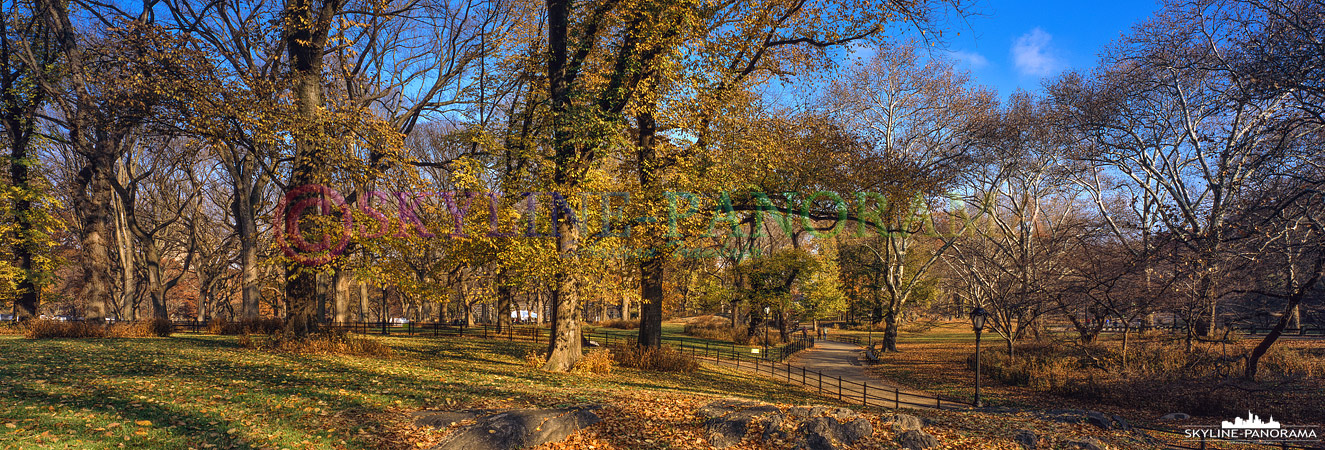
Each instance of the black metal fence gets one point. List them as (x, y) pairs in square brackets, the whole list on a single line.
[(843, 390), (541, 334)]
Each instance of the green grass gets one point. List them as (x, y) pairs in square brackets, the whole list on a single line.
[(207, 392), (675, 331)]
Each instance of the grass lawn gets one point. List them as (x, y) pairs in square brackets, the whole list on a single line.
[(674, 330), (206, 392)]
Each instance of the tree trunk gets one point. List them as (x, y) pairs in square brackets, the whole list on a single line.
[(307, 27), (564, 349), (341, 290), (94, 200), (155, 281), (251, 294), (1254, 359), (890, 331), (128, 257), (651, 303), (504, 302), (363, 301), (19, 127)]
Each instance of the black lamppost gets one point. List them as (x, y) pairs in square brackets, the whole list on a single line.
[(978, 324), (766, 313)]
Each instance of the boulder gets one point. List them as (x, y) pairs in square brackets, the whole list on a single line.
[(1096, 418), (773, 428), (917, 440), (1120, 423), (728, 420), (1099, 419), (855, 430), (1175, 416), (844, 413), (1028, 439), (443, 419), (807, 427), (906, 422), (520, 428), (816, 442), (1088, 443)]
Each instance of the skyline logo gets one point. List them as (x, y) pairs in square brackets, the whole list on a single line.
[(1252, 421), (1253, 429)]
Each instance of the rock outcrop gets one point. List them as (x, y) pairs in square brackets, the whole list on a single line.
[(726, 422), (508, 429)]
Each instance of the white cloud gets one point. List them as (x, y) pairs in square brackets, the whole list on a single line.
[(973, 60), (1033, 55)]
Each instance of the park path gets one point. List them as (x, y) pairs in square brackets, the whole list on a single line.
[(840, 375), (841, 359)]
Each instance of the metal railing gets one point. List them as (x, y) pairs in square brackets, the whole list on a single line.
[(832, 386)]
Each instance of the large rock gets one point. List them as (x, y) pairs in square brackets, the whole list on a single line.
[(443, 419), (727, 421), (917, 440), (808, 427), (1086, 444), (906, 422), (519, 428), (1175, 416), (1096, 418), (855, 430), (1028, 439)]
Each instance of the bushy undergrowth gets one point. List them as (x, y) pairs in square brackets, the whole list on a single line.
[(1157, 373), (597, 362), (227, 328), (319, 343), (11, 329), (709, 327), (663, 359), (53, 329), (620, 324)]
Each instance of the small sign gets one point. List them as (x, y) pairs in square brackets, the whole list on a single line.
[(754, 350)]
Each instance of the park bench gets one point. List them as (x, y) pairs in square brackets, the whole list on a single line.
[(870, 357)]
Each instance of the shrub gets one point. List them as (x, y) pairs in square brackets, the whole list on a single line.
[(225, 327), (535, 358), (597, 362), (620, 324), (1288, 363), (159, 327), (709, 327), (52, 329), (663, 359), (11, 329), (324, 343)]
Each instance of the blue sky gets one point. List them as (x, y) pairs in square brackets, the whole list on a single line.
[(1012, 44)]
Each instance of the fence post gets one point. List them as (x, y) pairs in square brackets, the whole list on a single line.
[(839, 388), (821, 382), (897, 398), (864, 394), (802, 375)]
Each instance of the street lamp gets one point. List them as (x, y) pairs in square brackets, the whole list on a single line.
[(767, 310), (978, 324)]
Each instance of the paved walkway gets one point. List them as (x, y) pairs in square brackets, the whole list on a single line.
[(840, 359), (836, 361)]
